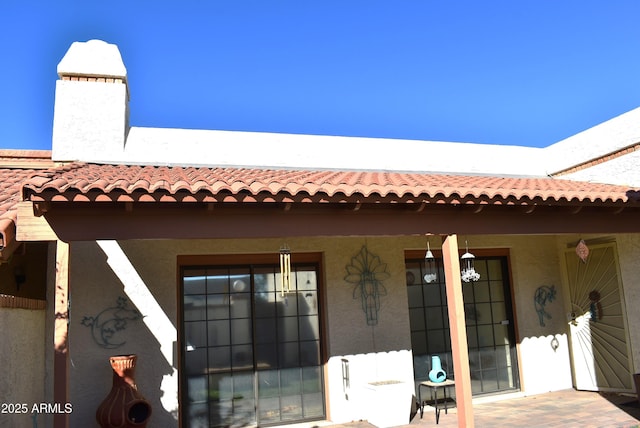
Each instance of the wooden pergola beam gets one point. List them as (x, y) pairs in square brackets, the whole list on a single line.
[(61, 334), (457, 325)]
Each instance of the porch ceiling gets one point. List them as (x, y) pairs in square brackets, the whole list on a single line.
[(89, 201)]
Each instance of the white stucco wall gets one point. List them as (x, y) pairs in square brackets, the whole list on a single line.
[(90, 120), (22, 356), (602, 139), (622, 170), (375, 353)]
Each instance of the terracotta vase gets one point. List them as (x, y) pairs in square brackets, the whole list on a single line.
[(124, 407)]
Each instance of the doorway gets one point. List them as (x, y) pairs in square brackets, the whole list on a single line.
[(598, 333), (251, 355), (489, 323)]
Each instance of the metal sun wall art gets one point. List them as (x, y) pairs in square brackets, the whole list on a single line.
[(543, 295), (106, 325), (367, 272)]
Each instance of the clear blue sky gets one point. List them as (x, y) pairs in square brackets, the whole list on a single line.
[(526, 72)]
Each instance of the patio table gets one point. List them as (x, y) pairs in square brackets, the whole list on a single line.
[(433, 389)]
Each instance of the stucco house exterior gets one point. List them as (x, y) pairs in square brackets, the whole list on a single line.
[(167, 244)]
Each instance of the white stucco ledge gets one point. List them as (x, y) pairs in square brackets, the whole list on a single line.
[(206, 148), (92, 58)]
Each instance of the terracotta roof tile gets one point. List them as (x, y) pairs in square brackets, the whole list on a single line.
[(86, 182)]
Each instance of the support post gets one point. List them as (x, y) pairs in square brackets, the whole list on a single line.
[(61, 335), (459, 350)]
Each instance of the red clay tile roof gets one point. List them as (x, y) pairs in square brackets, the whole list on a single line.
[(91, 182)]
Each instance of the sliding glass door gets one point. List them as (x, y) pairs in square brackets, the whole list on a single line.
[(251, 354)]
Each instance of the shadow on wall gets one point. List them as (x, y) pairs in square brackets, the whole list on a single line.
[(111, 317)]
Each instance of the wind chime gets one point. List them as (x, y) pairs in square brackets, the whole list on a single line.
[(468, 271), (285, 269), (431, 272)]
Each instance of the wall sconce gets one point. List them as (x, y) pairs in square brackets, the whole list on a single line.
[(285, 269), (19, 276), (430, 268), (468, 272)]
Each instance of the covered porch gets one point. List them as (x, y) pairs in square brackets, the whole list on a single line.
[(134, 232)]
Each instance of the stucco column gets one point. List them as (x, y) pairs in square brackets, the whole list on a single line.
[(459, 350), (61, 334)]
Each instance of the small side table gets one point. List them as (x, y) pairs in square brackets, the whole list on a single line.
[(433, 389)]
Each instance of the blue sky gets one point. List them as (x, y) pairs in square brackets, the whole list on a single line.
[(526, 72)]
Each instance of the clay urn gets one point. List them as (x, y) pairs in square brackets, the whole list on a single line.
[(124, 407)]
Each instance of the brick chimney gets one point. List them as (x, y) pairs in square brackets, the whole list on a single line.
[(91, 114)]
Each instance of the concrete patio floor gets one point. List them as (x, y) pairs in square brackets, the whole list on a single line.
[(567, 408)]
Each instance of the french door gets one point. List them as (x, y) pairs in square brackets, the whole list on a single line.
[(250, 354), (489, 322)]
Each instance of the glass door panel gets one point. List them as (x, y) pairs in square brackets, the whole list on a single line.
[(490, 335), (251, 354)]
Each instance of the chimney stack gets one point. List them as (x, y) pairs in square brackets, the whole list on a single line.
[(91, 114)]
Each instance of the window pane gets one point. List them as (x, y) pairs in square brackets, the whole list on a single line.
[(289, 354), (217, 281), (419, 342), (483, 313), (485, 335), (309, 305), (309, 328), (240, 331), (220, 359), (196, 361), (194, 307), (266, 356), (288, 329), (481, 291), (266, 330), (434, 318), (487, 358), (195, 334), (240, 305), (431, 295), (310, 353), (306, 279), (242, 357), (218, 306), (287, 305), (194, 281), (435, 340), (416, 319), (497, 291), (494, 270), (414, 294), (498, 311), (219, 333), (197, 388)]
